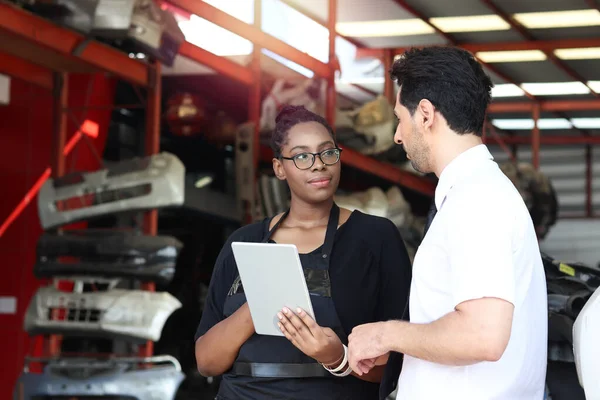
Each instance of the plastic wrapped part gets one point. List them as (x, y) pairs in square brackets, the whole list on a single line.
[(586, 346), (138, 184), (107, 253), (156, 31), (118, 313), (372, 129), (537, 192), (309, 93), (113, 18), (158, 378)]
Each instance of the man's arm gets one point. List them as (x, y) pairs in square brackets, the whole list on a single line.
[(478, 330)]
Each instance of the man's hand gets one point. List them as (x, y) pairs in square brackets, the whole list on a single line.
[(367, 347), (322, 344)]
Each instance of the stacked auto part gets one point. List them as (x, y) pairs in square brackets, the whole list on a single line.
[(136, 26), (105, 267)]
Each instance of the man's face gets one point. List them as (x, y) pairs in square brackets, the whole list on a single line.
[(411, 138)]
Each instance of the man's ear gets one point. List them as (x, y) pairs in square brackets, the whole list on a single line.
[(426, 114), (278, 169)]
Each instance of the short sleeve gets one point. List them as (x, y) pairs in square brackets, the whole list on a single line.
[(224, 273), (396, 273), (480, 245)]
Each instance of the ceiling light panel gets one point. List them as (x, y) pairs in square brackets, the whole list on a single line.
[(559, 19), (474, 23), (511, 56), (588, 53), (507, 90), (527, 124), (555, 88), (586, 123), (398, 27)]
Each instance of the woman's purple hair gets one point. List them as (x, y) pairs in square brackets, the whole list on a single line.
[(288, 117)]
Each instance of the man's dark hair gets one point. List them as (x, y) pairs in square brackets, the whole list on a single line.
[(451, 79), (290, 116)]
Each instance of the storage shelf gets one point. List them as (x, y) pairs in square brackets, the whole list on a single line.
[(40, 42)]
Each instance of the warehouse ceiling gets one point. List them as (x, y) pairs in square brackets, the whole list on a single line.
[(569, 73)]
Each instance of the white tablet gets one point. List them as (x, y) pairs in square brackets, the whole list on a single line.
[(272, 278)]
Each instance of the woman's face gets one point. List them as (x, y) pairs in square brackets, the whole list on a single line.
[(319, 182)]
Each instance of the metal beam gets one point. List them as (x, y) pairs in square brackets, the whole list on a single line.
[(331, 97), (543, 45), (545, 106), (28, 36), (256, 36), (548, 140), (26, 71)]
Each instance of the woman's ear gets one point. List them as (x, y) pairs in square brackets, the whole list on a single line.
[(278, 169)]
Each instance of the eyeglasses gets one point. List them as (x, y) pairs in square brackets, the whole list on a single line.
[(307, 160)]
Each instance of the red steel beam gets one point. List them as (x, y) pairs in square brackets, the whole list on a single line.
[(407, 179), (588, 181), (331, 93), (256, 36), (543, 45), (221, 65), (535, 137), (40, 33), (545, 106), (152, 146), (528, 36), (319, 21), (18, 68), (548, 140)]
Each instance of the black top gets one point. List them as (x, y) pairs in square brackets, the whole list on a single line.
[(370, 272)]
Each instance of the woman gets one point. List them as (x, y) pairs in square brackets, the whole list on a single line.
[(357, 271)]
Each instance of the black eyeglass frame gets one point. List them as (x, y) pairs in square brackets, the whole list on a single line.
[(314, 156)]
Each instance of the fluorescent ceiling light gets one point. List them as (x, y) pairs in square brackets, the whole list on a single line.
[(507, 90), (511, 56), (559, 19), (527, 124), (398, 27), (554, 123), (513, 124), (555, 88), (595, 85), (586, 123), (474, 23), (589, 53)]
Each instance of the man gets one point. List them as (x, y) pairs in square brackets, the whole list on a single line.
[(478, 305)]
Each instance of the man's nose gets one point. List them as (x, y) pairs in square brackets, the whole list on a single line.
[(398, 136)]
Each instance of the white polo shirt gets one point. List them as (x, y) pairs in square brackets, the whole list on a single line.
[(481, 243)]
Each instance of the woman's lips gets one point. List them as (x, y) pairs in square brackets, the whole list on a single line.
[(320, 182)]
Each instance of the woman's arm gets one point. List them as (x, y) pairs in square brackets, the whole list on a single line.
[(217, 349)]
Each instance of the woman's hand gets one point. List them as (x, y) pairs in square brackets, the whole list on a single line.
[(317, 342)]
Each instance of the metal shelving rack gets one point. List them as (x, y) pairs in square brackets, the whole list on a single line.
[(39, 52)]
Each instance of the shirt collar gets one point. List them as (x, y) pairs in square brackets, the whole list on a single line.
[(461, 165)]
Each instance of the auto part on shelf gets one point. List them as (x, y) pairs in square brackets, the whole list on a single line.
[(136, 184), (107, 253), (586, 346), (158, 379), (150, 29), (117, 313)]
